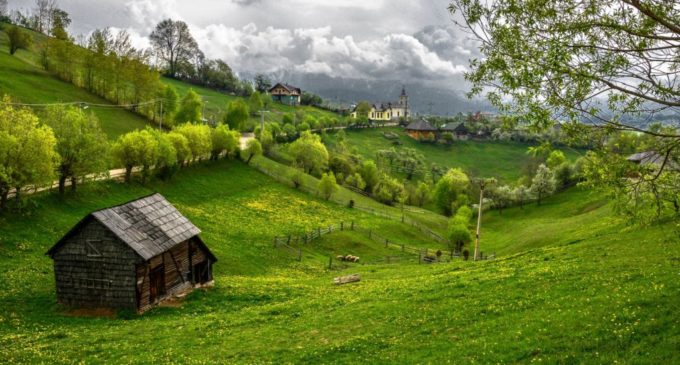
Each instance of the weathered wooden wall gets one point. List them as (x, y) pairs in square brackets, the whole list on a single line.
[(178, 265), (106, 280)]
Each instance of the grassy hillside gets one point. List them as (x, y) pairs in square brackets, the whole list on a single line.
[(504, 160), (25, 82), (609, 297), (216, 104)]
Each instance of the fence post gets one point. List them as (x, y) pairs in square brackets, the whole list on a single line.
[(305, 238), (330, 262), (275, 241), (352, 227), (288, 243), (318, 231), (386, 242), (300, 254), (342, 226), (419, 256), (402, 218)]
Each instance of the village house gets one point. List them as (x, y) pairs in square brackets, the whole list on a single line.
[(421, 129), (130, 256), (458, 130), (385, 112), (286, 94)]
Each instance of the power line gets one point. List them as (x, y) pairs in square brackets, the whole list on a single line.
[(86, 104)]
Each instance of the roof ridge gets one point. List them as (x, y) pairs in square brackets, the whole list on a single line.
[(127, 202)]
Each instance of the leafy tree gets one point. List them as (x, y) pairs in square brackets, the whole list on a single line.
[(199, 138), (237, 114), (370, 173), (309, 153), (181, 146), (190, 108), (255, 103), (262, 83), (224, 140), (459, 235), (18, 39), (389, 190), (454, 184), (60, 21), (253, 148), (27, 151), (266, 140), (287, 119), (81, 144), (555, 159), (521, 194), (289, 130), (170, 104), (410, 161), (421, 194), (327, 185), (166, 161), (302, 127), (266, 100), (308, 98), (356, 181), (363, 108), (137, 148), (501, 197), (608, 64), (173, 43), (543, 183)]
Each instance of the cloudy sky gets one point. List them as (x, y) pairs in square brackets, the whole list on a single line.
[(404, 40)]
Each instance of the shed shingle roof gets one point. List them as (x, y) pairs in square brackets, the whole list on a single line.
[(150, 225), (420, 125)]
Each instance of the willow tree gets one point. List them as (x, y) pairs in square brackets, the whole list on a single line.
[(597, 65)]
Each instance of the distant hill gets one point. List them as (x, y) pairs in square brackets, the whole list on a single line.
[(349, 91)]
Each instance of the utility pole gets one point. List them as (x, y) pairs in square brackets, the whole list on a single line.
[(482, 185), (262, 120), (160, 125)]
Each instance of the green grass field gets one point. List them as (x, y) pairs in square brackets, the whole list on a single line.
[(25, 82), (503, 160), (579, 287)]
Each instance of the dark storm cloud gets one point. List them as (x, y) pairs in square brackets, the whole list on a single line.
[(376, 39)]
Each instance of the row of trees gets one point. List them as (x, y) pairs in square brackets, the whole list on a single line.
[(67, 143)]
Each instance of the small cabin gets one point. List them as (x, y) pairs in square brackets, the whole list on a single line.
[(286, 94), (459, 131), (131, 256), (421, 129)]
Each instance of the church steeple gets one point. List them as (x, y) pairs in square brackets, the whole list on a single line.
[(403, 101)]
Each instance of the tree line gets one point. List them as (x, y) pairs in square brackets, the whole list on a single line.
[(67, 143)]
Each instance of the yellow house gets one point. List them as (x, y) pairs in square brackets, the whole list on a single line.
[(388, 111)]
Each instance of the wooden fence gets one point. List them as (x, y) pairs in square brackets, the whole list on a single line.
[(292, 244), (379, 212)]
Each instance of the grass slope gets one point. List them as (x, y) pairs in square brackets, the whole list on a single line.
[(610, 297), (216, 104), (504, 160), (25, 82)]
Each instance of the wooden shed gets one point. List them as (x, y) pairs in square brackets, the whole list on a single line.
[(130, 256), (421, 129)]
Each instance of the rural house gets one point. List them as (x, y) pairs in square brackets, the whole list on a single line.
[(286, 94), (130, 256), (459, 131), (421, 129)]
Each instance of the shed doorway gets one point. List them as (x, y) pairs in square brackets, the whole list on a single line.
[(202, 272), (156, 283)]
